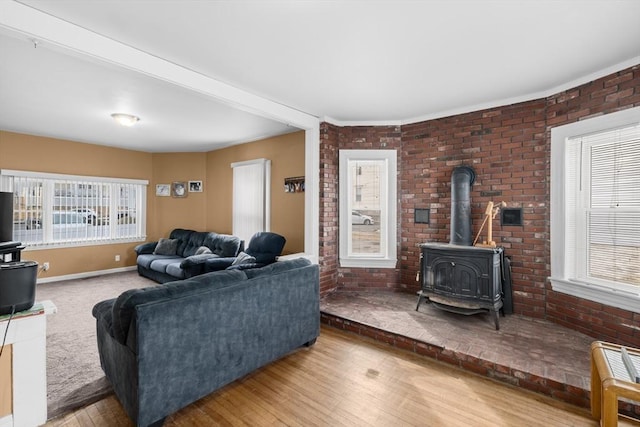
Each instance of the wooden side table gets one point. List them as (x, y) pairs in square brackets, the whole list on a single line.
[(611, 381)]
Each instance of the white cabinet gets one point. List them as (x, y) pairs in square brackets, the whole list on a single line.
[(27, 335)]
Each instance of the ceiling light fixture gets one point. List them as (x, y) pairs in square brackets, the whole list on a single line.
[(125, 119)]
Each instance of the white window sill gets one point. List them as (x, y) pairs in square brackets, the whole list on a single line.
[(368, 262), (598, 293)]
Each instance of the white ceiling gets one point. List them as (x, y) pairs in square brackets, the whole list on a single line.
[(349, 62)]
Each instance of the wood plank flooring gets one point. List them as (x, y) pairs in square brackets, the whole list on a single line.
[(347, 380)]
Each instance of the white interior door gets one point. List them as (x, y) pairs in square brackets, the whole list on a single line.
[(251, 198)]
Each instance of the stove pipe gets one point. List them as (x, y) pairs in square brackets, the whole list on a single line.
[(462, 179)]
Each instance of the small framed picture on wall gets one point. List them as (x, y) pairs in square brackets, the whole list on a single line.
[(163, 190), (179, 189), (195, 186)]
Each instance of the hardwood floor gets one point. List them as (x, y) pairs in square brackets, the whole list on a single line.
[(347, 380)]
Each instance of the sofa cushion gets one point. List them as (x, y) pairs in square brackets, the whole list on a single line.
[(124, 306), (166, 247), (183, 238), (160, 265), (146, 259), (195, 241), (223, 245), (174, 269), (277, 267)]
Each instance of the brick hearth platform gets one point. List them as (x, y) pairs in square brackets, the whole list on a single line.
[(533, 354)]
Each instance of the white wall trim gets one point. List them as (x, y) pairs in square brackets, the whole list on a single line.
[(600, 294), (85, 275)]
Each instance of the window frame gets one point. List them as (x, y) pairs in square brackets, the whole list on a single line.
[(612, 294), (387, 258), (48, 181)]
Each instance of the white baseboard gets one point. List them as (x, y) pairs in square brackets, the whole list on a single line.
[(85, 275)]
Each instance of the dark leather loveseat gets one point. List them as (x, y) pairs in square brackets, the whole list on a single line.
[(166, 346), (187, 253)]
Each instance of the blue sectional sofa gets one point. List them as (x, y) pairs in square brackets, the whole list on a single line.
[(167, 346), (178, 257)]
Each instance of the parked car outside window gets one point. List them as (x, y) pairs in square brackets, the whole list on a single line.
[(90, 214), (358, 218), (61, 219)]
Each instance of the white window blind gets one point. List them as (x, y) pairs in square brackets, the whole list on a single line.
[(54, 210), (603, 206), (251, 198)]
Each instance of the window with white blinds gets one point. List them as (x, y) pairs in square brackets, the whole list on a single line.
[(595, 209), (64, 210), (607, 206)]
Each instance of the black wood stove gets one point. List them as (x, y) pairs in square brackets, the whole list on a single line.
[(462, 279), (458, 277)]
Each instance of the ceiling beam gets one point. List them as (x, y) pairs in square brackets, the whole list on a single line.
[(33, 24)]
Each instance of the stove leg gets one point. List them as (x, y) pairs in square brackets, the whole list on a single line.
[(496, 319), (419, 300)]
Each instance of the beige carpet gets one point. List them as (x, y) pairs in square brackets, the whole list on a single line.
[(74, 376)]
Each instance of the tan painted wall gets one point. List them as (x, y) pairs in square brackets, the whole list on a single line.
[(209, 210), (167, 213), (287, 157), (34, 153)]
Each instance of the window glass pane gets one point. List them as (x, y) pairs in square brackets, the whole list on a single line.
[(365, 178), (71, 210), (27, 212), (611, 206), (126, 224), (614, 246), (368, 208)]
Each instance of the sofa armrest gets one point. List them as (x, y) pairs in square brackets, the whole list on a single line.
[(145, 248), (196, 260), (216, 264), (246, 266), (103, 313)]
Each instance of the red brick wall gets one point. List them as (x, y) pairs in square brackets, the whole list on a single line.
[(328, 242), (509, 148), (333, 139)]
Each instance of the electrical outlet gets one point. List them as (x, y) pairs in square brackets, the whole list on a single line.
[(117, 258), (45, 266)]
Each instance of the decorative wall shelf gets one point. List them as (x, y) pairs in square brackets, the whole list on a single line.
[(294, 184)]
